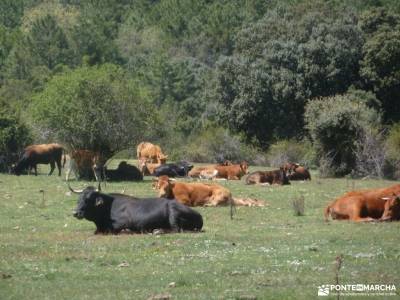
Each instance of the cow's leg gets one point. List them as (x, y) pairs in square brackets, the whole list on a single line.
[(174, 218), (367, 219), (355, 214), (68, 173), (35, 168), (52, 167), (59, 167)]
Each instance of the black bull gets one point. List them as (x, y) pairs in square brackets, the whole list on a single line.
[(114, 212), (179, 169)]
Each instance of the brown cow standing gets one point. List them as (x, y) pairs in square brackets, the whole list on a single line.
[(40, 154), (84, 163), (199, 194), (150, 153), (268, 177), (366, 205)]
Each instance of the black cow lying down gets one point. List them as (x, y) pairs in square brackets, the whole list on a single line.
[(114, 212), (179, 169)]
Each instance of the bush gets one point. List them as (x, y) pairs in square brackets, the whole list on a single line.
[(335, 125), (371, 154), (216, 144), (291, 151), (14, 136), (392, 145)]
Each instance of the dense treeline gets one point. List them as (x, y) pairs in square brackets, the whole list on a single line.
[(206, 79)]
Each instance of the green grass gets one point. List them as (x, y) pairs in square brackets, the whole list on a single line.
[(264, 253)]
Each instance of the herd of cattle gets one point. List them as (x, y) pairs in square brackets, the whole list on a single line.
[(170, 211)]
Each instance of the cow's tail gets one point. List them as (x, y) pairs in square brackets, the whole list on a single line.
[(232, 206), (64, 154), (248, 202), (327, 212)]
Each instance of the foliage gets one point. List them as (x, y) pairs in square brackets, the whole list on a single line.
[(291, 151), (94, 108), (392, 146), (381, 64), (279, 63), (14, 136), (371, 154), (216, 144), (248, 66), (335, 124), (11, 12)]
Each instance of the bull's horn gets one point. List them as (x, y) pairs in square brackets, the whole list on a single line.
[(74, 191), (385, 198)]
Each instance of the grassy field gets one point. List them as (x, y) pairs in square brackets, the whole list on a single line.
[(264, 253)]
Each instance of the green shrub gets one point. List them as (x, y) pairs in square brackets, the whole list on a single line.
[(392, 146), (284, 151), (335, 125), (216, 144), (14, 136)]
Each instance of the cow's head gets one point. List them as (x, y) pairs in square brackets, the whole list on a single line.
[(245, 167), (89, 200), (289, 167), (164, 187), (392, 208)]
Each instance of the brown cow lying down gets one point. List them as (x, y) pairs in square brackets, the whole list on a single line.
[(296, 172), (268, 177), (232, 172), (195, 171), (366, 205), (224, 171), (199, 194), (300, 173)]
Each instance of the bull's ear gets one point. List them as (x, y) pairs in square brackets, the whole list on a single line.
[(99, 201)]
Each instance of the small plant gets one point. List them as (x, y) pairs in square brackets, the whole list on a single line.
[(338, 266), (298, 206)]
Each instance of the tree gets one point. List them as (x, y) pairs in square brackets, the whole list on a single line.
[(380, 66), (95, 108), (279, 63), (11, 12), (48, 43)]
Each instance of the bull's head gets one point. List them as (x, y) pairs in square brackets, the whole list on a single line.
[(392, 208), (90, 198)]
